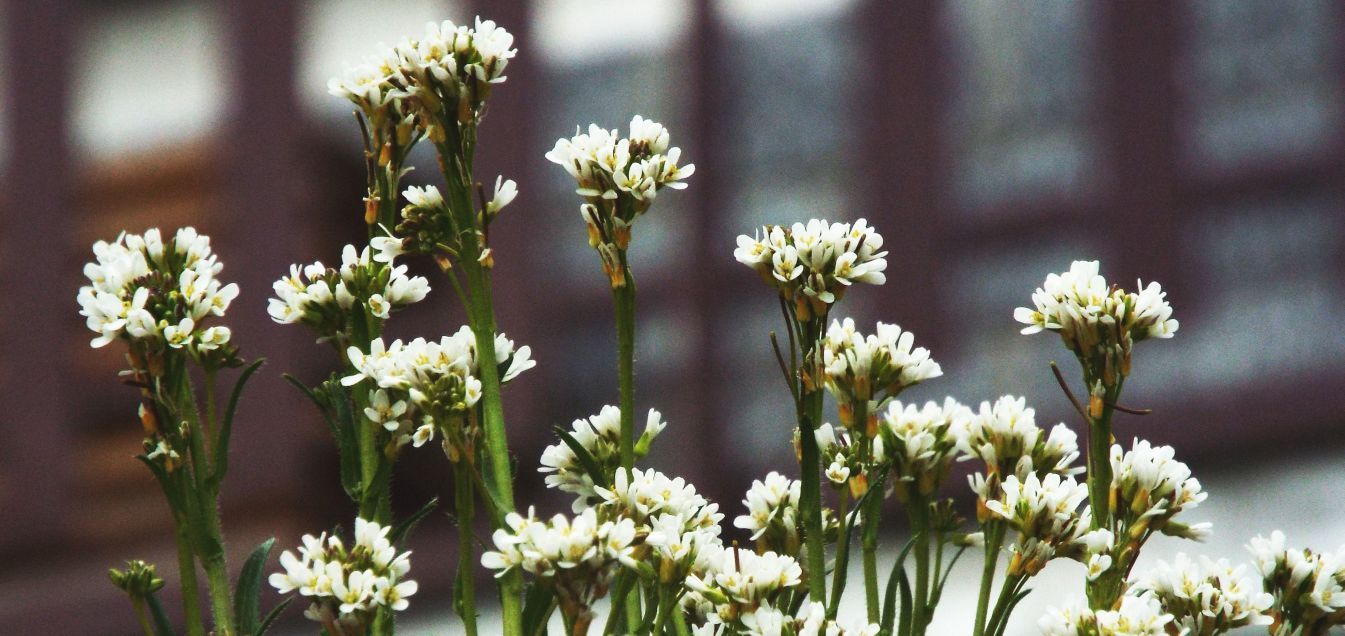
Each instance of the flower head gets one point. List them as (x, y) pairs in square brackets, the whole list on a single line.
[(812, 264), (158, 295), (348, 584), (772, 512), (1206, 596), (920, 441), (367, 286), (861, 368), (599, 435)]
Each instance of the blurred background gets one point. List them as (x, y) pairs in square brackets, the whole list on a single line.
[(1194, 143)]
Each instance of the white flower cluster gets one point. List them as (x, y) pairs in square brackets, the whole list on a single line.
[(327, 299), (599, 435), (347, 585), (1137, 616), (1045, 513), (861, 368), (766, 620), (773, 513), (156, 294), (619, 178), (1150, 487), (921, 443), (421, 383), (447, 63), (731, 583), (813, 264), (1307, 588), (427, 225), (643, 494), (1005, 436), (849, 460), (1206, 596), (1098, 322)]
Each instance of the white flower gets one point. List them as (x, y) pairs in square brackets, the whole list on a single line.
[(1098, 322), (505, 193), (772, 504), (860, 368), (1137, 616), (326, 299), (155, 294), (347, 584), (813, 264), (1205, 596), (1156, 487), (921, 442), (1006, 437), (1045, 512)]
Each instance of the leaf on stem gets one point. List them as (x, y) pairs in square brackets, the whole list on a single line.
[(538, 606), (404, 527), (272, 615), (586, 459), (898, 580), (226, 426), (247, 594)]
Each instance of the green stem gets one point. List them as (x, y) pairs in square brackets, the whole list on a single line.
[(466, 512), (1099, 486), (142, 617), (186, 565), (810, 495), (1000, 616), (918, 510), (994, 539), (624, 298), (209, 539)]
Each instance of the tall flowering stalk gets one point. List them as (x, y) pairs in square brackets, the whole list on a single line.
[(618, 179), (1099, 324), (156, 296), (862, 373), (811, 266)]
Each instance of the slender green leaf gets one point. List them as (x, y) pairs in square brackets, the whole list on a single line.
[(538, 606), (308, 393), (272, 615), (843, 552), (162, 627), (586, 459), (247, 593), (226, 425), (894, 581), (620, 588), (404, 527), (1008, 610), (942, 580)]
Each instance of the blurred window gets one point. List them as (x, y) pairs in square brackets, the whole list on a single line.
[(1022, 93), (1261, 80)]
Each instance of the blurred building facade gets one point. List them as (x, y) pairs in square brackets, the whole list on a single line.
[(1194, 143)]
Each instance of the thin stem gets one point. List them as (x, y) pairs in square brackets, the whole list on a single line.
[(210, 542), (1012, 584), (466, 513), (918, 509), (142, 617), (624, 298), (994, 539), (839, 572), (810, 496), (186, 565), (870, 545)]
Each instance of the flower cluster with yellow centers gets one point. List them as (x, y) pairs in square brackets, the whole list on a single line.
[(1005, 436), (1137, 615), (772, 513), (599, 435), (347, 585), (422, 386), (449, 69), (1099, 323), (1150, 487), (848, 457), (1045, 513), (364, 290), (618, 179), (735, 583), (158, 295), (1206, 596), (861, 368), (1307, 588), (920, 442), (813, 263)]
